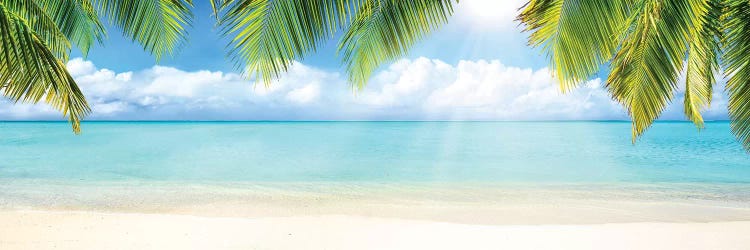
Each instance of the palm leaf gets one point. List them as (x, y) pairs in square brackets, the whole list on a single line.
[(78, 20), (42, 25), (37, 35), (270, 35), (702, 60), (384, 30), (645, 41), (577, 36), (736, 60), (158, 25), (646, 68), (31, 72)]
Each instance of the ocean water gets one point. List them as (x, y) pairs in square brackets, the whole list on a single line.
[(373, 152)]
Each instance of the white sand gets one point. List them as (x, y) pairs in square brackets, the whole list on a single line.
[(90, 230), (372, 216)]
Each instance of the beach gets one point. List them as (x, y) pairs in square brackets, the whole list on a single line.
[(138, 215), (375, 125), (87, 230), (372, 185)]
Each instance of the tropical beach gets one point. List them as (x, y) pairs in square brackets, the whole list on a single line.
[(149, 231), (145, 215), (374, 124), (264, 217), (608, 200)]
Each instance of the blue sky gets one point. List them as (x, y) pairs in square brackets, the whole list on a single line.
[(478, 67), (464, 38)]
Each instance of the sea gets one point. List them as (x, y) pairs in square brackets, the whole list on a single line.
[(462, 172), (382, 152)]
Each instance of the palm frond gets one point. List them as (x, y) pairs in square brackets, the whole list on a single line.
[(42, 24), (158, 25), (702, 60), (646, 68), (384, 30), (578, 36), (78, 20), (736, 62), (31, 72), (270, 35)]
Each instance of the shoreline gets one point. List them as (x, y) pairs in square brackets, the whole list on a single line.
[(225, 215), (479, 204), (95, 230)]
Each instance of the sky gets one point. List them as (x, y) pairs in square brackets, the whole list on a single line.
[(477, 67)]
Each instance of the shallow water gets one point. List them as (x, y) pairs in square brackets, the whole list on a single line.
[(466, 172), (390, 152)]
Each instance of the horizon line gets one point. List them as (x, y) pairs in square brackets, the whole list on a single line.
[(175, 120)]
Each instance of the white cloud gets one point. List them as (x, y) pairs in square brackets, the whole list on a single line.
[(78, 67), (306, 94), (406, 90), (486, 90), (406, 82)]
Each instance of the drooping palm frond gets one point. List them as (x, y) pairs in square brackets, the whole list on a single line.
[(270, 35), (384, 30), (646, 43), (37, 35), (158, 25), (646, 68), (577, 35), (41, 24), (736, 62), (78, 20), (702, 59), (31, 72)]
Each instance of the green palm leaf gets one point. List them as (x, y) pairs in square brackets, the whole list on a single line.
[(269, 35), (37, 35), (42, 25), (735, 61), (702, 60), (384, 30), (577, 36), (78, 20), (158, 25), (646, 68), (31, 72), (646, 43)]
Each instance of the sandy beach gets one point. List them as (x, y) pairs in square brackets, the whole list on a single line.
[(125, 215), (90, 230)]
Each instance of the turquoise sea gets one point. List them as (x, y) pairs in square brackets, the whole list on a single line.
[(382, 152), (462, 172)]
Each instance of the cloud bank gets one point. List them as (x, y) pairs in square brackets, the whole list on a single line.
[(419, 89)]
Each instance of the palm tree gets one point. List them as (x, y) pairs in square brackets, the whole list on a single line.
[(648, 45), (36, 37)]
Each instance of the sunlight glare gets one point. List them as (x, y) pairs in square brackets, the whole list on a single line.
[(489, 13)]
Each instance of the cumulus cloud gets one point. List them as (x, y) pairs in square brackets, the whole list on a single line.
[(419, 89)]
